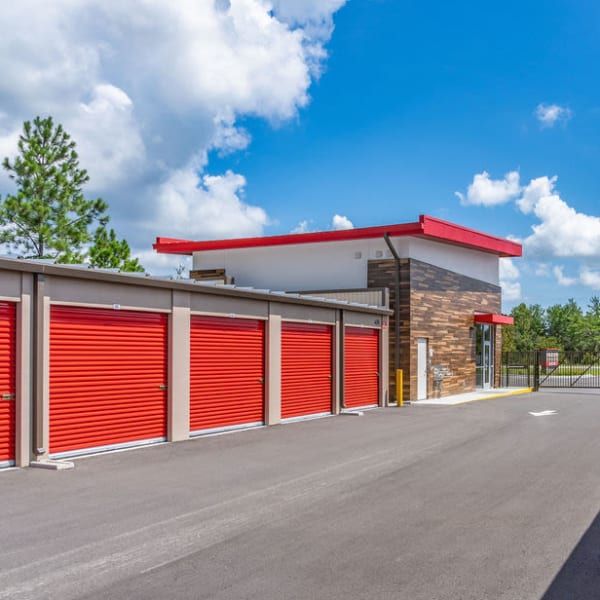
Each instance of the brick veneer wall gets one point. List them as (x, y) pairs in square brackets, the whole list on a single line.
[(438, 305), (381, 273)]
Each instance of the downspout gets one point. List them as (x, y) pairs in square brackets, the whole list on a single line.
[(386, 237)]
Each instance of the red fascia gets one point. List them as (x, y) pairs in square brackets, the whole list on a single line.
[(427, 227), (471, 238), (494, 319)]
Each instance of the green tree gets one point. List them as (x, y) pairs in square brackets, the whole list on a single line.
[(49, 216), (109, 252), (594, 308), (529, 328), (566, 324), (591, 326)]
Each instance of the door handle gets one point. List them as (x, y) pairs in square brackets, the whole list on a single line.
[(8, 396), (163, 387)]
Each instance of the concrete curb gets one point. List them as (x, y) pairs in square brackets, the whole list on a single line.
[(53, 465), (432, 402), (499, 395)]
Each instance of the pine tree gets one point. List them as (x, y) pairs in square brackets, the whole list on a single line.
[(109, 252), (49, 216)]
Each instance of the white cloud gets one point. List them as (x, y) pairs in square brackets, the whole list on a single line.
[(590, 278), (208, 206), (484, 191), (509, 275), (300, 12), (110, 143), (561, 231), (562, 279), (511, 291), (163, 264), (508, 269), (542, 269), (550, 114), (228, 138), (149, 88), (341, 222), (8, 148), (532, 193), (303, 227)]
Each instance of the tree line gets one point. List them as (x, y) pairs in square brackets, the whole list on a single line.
[(48, 216), (564, 326)]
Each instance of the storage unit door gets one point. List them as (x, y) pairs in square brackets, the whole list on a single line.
[(108, 376), (306, 369), (7, 383), (227, 370), (361, 367)]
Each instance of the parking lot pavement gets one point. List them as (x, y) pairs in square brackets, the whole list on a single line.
[(477, 501)]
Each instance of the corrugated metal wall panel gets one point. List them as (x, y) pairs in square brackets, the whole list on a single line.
[(306, 369), (108, 376), (7, 381), (227, 370), (361, 367), (372, 296)]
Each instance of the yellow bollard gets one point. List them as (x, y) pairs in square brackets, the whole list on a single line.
[(399, 390)]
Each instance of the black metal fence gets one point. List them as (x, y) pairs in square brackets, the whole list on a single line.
[(564, 370)]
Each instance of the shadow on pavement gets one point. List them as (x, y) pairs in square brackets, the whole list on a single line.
[(579, 577)]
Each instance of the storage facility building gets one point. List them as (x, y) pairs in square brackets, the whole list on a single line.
[(442, 278), (93, 360)]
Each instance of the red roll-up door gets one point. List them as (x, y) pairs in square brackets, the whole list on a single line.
[(7, 382), (108, 376), (361, 367), (227, 370), (306, 369)]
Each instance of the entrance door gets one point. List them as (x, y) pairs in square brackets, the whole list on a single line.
[(484, 356), (421, 368)]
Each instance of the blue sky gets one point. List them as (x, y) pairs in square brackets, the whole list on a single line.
[(242, 117)]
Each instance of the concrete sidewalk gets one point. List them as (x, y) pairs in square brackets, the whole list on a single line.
[(472, 396)]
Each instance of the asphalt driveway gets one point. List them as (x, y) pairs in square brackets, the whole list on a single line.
[(477, 501)]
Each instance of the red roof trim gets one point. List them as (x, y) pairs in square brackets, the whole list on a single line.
[(494, 319), (428, 227)]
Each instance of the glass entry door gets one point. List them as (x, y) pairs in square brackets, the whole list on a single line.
[(484, 356)]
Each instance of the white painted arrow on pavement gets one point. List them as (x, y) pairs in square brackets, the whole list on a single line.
[(543, 413)]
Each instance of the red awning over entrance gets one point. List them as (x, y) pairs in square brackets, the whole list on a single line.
[(494, 319)]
